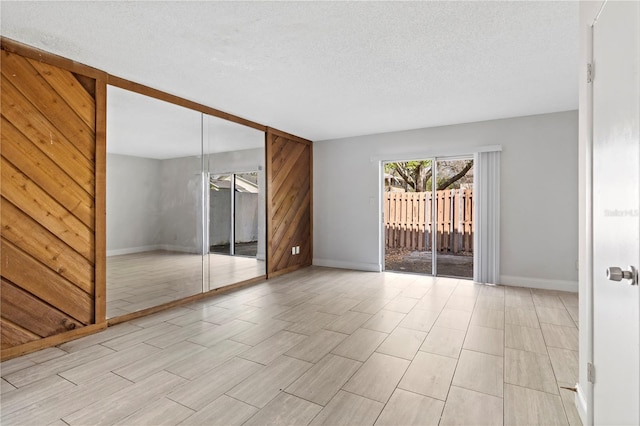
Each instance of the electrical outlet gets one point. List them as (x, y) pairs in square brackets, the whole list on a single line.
[(297, 249), (293, 250)]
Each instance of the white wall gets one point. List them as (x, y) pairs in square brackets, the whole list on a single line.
[(180, 204), (539, 184), (133, 220)]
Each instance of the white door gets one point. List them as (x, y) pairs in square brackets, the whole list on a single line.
[(616, 221)]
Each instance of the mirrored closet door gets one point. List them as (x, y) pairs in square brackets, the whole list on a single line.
[(234, 157), (181, 186)]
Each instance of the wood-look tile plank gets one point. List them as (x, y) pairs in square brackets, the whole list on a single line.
[(378, 377), (408, 408), (524, 406), (524, 338), (530, 370), (45, 355), (490, 318), (11, 366), (37, 372), (62, 404), (401, 304), (316, 346), (486, 340), (285, 409), (224, 411), (461, 303), (490, 302), (6, 386), (270, 349), (360, 345), (453, 318), (34, 392), (348, 322), (324, 379), (418, 319), (162, 412), (429, 375), (554, 316), (260, 332), (100, 337), (267, 383), (223, 332), (467, 407), (201, 391), (130, 339), (384, 321), (126, 401), (444, 341), (560, 337), (87, 372), (371, 306), (480, 372), (347, 409), (199, 363), (176, 336), (157, 361), (525, 317), (565, 364), (312, 323), (402, 343)]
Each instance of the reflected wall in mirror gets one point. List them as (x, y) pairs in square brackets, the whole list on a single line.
[(154, 202), (186, 208), (234, 159)]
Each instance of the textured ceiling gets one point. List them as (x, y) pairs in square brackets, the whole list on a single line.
[(326, 69)]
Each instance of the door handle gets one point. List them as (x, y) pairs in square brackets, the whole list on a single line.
[(617, 274)]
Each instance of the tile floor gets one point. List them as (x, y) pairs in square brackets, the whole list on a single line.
[(318, 346)]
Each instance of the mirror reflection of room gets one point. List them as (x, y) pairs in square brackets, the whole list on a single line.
[(235, 158), (159, 202)]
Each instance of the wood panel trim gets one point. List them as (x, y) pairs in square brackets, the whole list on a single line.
[(176, 100), (289, 136), (48, 342), (287, 270), (268, 153), (186, 300), (100, 240), (49, 58)]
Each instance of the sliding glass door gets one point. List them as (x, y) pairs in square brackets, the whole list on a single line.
[(428, 216)]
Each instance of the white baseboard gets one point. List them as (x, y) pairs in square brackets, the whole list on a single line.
[(544, 284), (581, 404), (180, 249), (131, 250), (358, 266), (167, 247)]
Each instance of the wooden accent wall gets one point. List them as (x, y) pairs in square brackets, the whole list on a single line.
[(289, 194), (48, 204)]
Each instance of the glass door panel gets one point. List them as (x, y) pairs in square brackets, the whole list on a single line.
[(454, 218), (408, 213)]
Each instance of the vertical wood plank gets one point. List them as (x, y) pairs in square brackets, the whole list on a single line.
[(100, 241)]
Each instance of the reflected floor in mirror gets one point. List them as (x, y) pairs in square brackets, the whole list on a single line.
[(143, 280)]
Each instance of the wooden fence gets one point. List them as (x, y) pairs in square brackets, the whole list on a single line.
[(408, 223)]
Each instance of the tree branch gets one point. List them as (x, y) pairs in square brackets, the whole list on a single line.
[(458, 176)]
